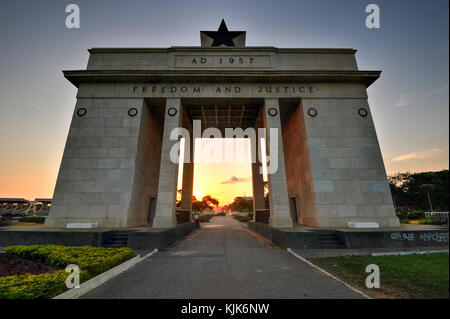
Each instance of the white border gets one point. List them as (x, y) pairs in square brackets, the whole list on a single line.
[(100, 279), (328, 274)]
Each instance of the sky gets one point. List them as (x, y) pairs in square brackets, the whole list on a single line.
[(214, 176), (409, 103)]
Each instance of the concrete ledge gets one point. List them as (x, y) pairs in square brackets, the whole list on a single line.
[(396, 238), (138, 240), (158, 238), (50, 237), (406, 253), (287, 237), (98, 280), (296, 238)]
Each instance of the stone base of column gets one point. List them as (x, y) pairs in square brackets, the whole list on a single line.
[(61, 222), (280, 221), (164, 222), (342, 222)]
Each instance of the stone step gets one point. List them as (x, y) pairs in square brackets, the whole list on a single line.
[(330, 240), (117, 237), (328, 236), (116, 240), (332, 247)]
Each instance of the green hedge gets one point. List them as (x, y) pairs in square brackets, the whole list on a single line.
[(402, 215), (32, 219), (243, 219), (221, 214), (33, 286), (411, 215), (430, 221), (91, 260), (416, 215), (4, 222), (205, 218)]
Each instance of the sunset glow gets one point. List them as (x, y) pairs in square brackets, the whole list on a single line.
[(220, 179)]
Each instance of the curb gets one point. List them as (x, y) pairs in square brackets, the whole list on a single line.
[(261, 238), (405, 253), (102, 278), (328, 274)]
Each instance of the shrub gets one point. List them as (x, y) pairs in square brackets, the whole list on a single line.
[(94, 260), (430, 221), (4, 222), (91, 260), (402, 215), (250, 216), (33, 286), (243, 219), (205, 218), (416, 215), (32, 219)]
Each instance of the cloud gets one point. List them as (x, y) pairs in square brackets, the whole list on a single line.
[(444, 88), (234, 180), (405, 99), (415, 155)]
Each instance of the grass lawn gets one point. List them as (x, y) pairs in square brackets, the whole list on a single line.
[(411, 276)]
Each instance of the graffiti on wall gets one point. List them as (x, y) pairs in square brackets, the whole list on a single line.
[(428, 237)]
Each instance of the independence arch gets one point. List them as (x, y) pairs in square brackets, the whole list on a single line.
[(116, 169)]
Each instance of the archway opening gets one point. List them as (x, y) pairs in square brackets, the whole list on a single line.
[(223, 181)]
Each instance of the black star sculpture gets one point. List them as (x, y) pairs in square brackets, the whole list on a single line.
[(224, 37)]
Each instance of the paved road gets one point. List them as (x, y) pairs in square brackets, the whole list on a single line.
[(222, 260)]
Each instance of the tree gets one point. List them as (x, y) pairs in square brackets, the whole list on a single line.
[(266, 195), (207, 203), (210, 201), (419, 189), (179, 194), (241, 204)]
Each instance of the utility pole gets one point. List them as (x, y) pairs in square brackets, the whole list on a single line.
[(429, 200)]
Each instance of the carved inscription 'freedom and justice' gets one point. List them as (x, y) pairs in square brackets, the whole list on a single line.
[(222, 89)]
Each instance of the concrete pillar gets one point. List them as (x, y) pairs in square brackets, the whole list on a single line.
[(257, 182), (168, 172), (106, 174), (278, 193), (188, 178)]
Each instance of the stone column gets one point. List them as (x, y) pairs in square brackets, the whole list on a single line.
[(105, 175), (278, 193), (188, 178), (257, 181), (168, 172)]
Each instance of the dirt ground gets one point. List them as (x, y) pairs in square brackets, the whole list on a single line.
[(12, 265)]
